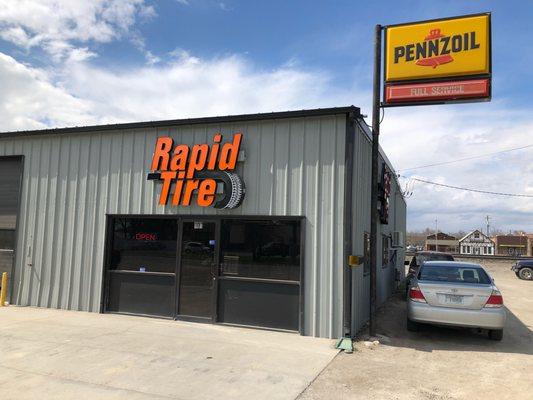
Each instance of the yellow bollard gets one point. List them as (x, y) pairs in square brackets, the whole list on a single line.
[(3, 290)]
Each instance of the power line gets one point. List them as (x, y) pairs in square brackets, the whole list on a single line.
[(471, 190), (466, 158)]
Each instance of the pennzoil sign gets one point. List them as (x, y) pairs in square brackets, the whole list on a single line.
[(444, 48)]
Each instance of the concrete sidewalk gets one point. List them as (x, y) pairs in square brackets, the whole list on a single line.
[(55, 354)]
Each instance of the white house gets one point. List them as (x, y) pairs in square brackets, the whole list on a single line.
[(476, 243)]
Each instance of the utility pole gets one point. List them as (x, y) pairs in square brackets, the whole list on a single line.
[(488, 225), (436, 235), (374, 189)]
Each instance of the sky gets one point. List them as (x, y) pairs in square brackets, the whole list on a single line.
[(74, 62)]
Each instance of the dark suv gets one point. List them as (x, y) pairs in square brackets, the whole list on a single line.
[(419, 258), (524, 269)]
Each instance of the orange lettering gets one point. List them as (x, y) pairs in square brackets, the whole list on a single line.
[(230, 151), (179, 160), (214, 152), (189, 188), (167, 177), (161, 157), (206, 192), (198, 159), (178, 187)]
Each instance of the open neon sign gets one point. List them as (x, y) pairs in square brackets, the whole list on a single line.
[(146, 237)]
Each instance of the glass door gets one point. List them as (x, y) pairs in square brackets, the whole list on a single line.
[(141, 266), (198, 274)]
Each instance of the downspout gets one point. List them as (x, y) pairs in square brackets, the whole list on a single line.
[(345, 342)]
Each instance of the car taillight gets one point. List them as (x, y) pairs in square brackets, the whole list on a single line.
[(415, 294), (495, 300)]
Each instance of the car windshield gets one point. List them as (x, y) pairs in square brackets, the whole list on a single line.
[(459, 274)]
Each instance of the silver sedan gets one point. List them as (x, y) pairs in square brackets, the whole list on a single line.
[(455, 294)]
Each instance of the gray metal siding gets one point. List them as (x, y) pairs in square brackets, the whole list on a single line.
[(361, 223), (361, 188), (293, 167)]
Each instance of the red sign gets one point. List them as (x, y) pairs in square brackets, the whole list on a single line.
[(437, 91), (146, 236)]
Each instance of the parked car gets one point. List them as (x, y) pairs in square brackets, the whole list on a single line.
[(422, 256), (455, 294), (524, 269), (196, 248)]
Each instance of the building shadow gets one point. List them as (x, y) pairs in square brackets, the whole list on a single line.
[(391, 322)]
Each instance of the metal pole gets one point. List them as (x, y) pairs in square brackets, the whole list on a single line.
[(436, 235), (374, 190), (3, 290)]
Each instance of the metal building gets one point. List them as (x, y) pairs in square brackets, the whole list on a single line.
[(276, 205)]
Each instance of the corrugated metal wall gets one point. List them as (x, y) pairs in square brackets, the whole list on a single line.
[(361, 214), (293, 167)]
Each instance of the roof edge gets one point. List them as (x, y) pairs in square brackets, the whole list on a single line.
[(188, 121)]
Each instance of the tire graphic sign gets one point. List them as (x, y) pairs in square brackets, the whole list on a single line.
[(196, 173)]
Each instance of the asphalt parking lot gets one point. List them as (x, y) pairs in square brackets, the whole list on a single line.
[(53, 354), (439, 363)]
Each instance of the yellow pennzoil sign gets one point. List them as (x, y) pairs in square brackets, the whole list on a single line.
[(438, 49)]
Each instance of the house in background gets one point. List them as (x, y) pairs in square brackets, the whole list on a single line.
[(445, 243), (476, 243), (512, 245)]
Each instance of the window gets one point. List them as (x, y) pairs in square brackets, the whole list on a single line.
[(144, 245), (384, 251), (261, 249), (484, 250), (366, 253), (490, 250), (7, 239), (476, 235), (444, 273)]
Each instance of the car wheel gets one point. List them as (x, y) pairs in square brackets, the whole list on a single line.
[(526, 273), (412, 326), (496, 334)]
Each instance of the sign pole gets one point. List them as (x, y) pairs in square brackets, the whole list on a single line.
[(374, 191)]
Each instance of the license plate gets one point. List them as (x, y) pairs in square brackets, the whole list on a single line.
[(453, 299)]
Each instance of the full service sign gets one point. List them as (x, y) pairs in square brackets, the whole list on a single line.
[(197, 171), (438, 61), (473, 88)]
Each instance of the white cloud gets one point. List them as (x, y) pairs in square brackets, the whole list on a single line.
[(186, 86), (189, 86), (417, 136), (29, 100), (58, 26)]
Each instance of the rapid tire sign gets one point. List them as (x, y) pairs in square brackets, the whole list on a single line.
[(202, 173)]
